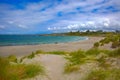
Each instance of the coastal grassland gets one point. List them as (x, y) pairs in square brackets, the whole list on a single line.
[(75, 59), (107, 66), (101, 74), (92, 55), (113, 39), (107, 61), (12, 69)]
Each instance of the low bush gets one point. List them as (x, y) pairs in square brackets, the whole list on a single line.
[(96, 44)]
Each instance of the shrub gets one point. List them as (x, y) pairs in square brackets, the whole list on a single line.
[(96, 44)]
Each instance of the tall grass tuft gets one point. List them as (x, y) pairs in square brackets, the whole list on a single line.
[(115, 53), (98, 75), (75, 59), (13, 58), (93, 51), (18, 71)]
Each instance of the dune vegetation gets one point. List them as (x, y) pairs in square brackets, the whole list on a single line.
[(12, 68)]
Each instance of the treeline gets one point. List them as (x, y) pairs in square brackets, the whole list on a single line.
[(92, 33)]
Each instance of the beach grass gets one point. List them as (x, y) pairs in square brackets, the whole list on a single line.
[(102, 74), (98, 75), (17, 71), (94, 55), (57, 52), (75, 59)]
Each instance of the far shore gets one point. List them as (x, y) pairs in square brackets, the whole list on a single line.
[(69, 46)]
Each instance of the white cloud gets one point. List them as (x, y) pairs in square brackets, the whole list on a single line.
[(32, 15)]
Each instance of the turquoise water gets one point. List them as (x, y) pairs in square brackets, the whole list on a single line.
[(8, 40)]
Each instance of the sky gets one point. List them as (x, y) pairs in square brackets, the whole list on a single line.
[(47, 16)]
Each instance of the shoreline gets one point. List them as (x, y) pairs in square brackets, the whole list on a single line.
[(69, 46), (86, 38)]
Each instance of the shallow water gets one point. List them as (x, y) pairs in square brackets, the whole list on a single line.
[(8, 40)]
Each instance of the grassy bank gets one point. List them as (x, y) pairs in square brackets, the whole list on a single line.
[(12, 69)]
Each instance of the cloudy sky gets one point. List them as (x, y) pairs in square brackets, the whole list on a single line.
[(40, 16)]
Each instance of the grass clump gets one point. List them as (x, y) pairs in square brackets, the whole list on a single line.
[(31, 55), (98, 75), (115, 74), (115, 53), (71, 68), (57, 52), (104, 74), (39, 52), (13, 58), (93, 51), (75, 59), (18, 71), (96, 44), (102, 61)]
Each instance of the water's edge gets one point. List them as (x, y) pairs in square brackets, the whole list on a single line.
[(33, 40)]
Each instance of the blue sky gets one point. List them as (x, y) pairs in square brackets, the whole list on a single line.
[(40, 16)]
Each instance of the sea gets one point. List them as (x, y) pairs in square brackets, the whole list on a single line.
[(12, 40)]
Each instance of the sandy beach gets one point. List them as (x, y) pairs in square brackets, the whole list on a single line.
[(70, 46)]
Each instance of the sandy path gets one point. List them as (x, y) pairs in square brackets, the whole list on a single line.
[(28, 49), (54, 66)]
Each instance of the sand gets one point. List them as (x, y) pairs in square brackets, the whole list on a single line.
[(70, 46), (54, 64)]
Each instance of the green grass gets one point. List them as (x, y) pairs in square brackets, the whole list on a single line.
[(104, 74), (93, 51), (13, 58), (71, 68), (96, 44), (57, 52), (75, 59), (98, 75), (18, 71), (100, 56), (115, 74), (115, 53)]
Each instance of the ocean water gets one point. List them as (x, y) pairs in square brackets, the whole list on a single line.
[(9, 40)]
